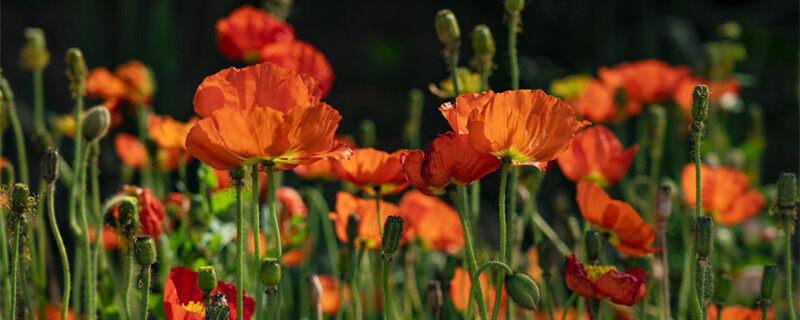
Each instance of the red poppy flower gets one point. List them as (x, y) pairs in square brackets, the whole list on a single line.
[(371, 169), (596, 155), (433, 221), (625, 229), (738, 313), (598, 103), (726, 193), (718, 92), (459, 291), (597, 282), (242, 34), (449, 160), (52, 312), (645, 81), (151, 211), (179, 203), (368, 236), (108, 237), (130, 150), (263, 113), (167, 132), (183, 300), (303, 58)]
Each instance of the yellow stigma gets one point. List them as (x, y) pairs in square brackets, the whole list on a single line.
[(196, 307), (594, 272)]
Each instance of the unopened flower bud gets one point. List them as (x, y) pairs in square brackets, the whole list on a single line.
[(50, 165), (352, 228), (392, 231), (523, 290), (128, 211), (96, 123), (236, 174), (447, 28), (514, 6), (207, 279), (76, 71), (700, 103), (768, 280), (144, 250), (787, 190), (7, 174), (722, 289), (20, 198), (482, 41), (592, 243), (270, 273), (34, 55), (704, 236)]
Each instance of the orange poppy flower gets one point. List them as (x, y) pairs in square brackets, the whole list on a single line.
[(322, 169), (372, 170), (130, 150), (101, 83), (598, 103), (533, 270), (738, 313), (52, 312), (303, 58), (596, 155), (459, 291), (183, 300), (167, 132), (719, 92), (528, 127), (616, 219), (151, 210), (449, 160), (262, 113), (246, 30), (597, 282), (368, 236), (330, 294), (108, 236), (139, 81), (726, 193), (293, 224), (433, 221), (645, 81), (170, 159)]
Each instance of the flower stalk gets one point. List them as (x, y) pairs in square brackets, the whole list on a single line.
[(503, 233), (787, 211), (469, 250), (256, 234), (237, 176)]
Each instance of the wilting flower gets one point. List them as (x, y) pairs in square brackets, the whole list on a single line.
[(151, 211), (373, 170), (727, 196), (468, 81), (616, 219), (242, 34), (596, 155), (108, 237), (434, 222), (600, 102), (526, 126), (645, 81), (368, 236), (303, 58), (723, 93), (459, 291), (130, 150), (738, 313), (167, 132), (449, 160), (263, 113), (183, 300), (597, 282), (52, 312)]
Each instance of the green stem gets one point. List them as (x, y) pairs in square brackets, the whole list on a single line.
[(387, 299), (354, 283), (19, 140), (327, 227), (87, 258), (256, 235), (512, 50), (787, 224), (126, 295), (273, 211), (76, 183), (454, 73), (503, 233), (4, 268), (239, 249), (94, 149), (512, 225), (146, 291), (468, 250), (571, 299), (38, 102), (61, 250), (12, 306), (764, 311), (378, 210), (474, 201), (476, 279)]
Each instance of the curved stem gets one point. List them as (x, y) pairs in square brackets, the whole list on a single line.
[(787, 224), (19, 140), (87, 258), (469, 251), (239, 249), (4, 268), (503, 232), (273, 211), (512, 225), (476, 279), (146, 291), (62, 251), (256, 235)]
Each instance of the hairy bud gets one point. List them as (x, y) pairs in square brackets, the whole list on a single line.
[(7, 174), (704, 236), (96, 123), (34, 55), (392, 231), (768, 281), (76, 72), (700, 103), (787, 190), (270, 272), (514, 6), (207, 279), (144, 250), (50, 165), (447, 29), (482, 41), (523, 290)]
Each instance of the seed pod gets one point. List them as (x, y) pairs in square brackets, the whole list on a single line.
[(787, 190), (392, 231), (704, 236), (352, 228), (592, 243), (207, 279), (482, 41), (34, 55), (523, 290), (447, 28), (96, 123), (144, 250), (723, 289), (700, 103), (76, 71), (270, 273), (50, 165), (514, 6), (768, 281)]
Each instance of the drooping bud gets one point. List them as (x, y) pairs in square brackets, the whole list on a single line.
[(447, 29), (392, 231), (482, 41), (7, 174), (787, 190), (723, 289), (76, 72), (523, 290), (768, 280), (704, 236), (144, 250), (50, 165), (592, 244), (236, 174), (352, 228), (270, 273), (34, 55), (96, 123), (207, 279), (700, 103), (514, 6)]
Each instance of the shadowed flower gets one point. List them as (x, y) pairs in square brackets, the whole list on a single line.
[(724, 93), (139, 82), (368, 237), (738, 313), (130, 150), (183, 300), (599, 102), (433, 221), (108, 236), (598, 282), (52, 312), (263, 113), (617, 220), (242, 34), (371, 169), (178, 204), (645, 81), (449, 160), (151, 211), (303, 58), (727, 196), (459, 291), (596, 155), (167, 132)]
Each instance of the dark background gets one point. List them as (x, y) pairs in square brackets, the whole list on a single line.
[(379, 50)]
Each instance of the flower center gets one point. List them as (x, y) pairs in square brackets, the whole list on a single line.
[(594, 272), (196, 307)]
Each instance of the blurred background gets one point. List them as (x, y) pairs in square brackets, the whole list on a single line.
[(379, 50)]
